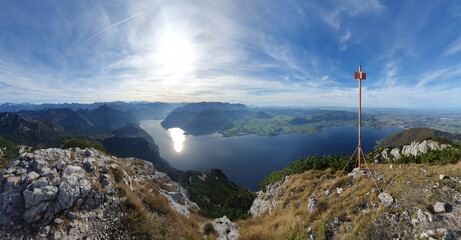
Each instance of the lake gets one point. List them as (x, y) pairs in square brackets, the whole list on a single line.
[(246, 160)]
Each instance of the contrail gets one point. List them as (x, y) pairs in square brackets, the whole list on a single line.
[(111, 26)]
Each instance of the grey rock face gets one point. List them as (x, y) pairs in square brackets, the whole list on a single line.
[(69, 192), (55, 187), (413, 149), (174, 199), (265, 200), (387, 200)]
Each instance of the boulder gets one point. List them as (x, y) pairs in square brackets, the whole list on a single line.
[(387, 200), (226, 229), (439, 207), (357, 173)]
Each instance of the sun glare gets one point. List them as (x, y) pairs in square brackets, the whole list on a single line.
[(178, 138), (176, 54)]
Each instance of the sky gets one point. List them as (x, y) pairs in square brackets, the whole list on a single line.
[(265, 53)]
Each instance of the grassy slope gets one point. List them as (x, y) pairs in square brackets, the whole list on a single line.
[(291, 219)]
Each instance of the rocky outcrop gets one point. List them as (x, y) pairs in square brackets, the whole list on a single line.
[(226, 229), (222, 229), (70, 194), (413, 149), (269, 199)]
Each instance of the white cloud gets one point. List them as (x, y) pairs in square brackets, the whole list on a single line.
[(350, 8), (343, 40), (454, 48)]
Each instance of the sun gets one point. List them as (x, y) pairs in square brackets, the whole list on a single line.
[(176, 54)]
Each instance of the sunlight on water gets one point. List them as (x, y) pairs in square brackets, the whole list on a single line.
[(178, 137)]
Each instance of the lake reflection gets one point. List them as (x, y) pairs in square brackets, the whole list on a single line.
[(178, 138), (248, 159)]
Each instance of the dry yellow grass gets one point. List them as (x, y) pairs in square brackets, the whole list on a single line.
[(147, 212), (413, 188)]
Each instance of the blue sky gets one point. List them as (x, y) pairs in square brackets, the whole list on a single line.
[(288, 53)]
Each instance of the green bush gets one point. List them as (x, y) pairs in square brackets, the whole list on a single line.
[(81, 143), (234, 206)]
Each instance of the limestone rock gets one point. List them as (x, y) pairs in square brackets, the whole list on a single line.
[(268, 200), (356, 173), (387, 200), (226, 229), (413, 149), (39, 190), (439, 207)]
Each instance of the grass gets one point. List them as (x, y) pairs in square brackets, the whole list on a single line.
[(147, 212), (407, 184)]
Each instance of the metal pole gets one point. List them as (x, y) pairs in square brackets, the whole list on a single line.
[(360, 113)]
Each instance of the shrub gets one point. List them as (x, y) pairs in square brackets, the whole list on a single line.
[(81, 143)]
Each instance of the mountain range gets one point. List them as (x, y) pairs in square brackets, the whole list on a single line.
[(142, 110), (117, 130)]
